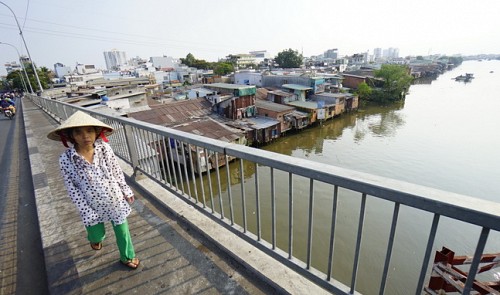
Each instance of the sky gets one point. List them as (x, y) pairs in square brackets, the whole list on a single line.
[(76, 31)]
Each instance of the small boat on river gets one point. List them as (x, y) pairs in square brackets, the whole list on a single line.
[(466, 78)]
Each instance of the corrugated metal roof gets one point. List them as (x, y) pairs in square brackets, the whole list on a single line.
[(296, 87), (262, 122), (175, 112), (210, 128), (332, 94), (299, 115), (228, 86), (281, 93), (276, 107), (312, 105)]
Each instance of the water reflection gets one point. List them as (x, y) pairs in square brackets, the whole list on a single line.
[(311, 140), (424, 80), (379, 121)]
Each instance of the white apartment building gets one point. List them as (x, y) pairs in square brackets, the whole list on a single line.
[(114, 59), (86, 69), (162, 62)]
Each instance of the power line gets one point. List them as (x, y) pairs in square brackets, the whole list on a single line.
[(188, 43), (109, 39), (26, 13)]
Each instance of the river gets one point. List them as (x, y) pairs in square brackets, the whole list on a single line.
[(444, 135)]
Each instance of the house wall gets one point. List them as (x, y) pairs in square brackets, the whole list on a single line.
[(266, 135), (352, 82), (279, 80), (235, 108), (248, 78), (340, 106), (284, 125), (281, 99), (352, 103), (312, 113)]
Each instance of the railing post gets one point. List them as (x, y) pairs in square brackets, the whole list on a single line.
[(132, 149)]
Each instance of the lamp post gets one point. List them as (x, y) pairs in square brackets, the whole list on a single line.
[(22, 66), (27, 51)]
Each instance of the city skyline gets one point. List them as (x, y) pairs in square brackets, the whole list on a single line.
[(79, 32)]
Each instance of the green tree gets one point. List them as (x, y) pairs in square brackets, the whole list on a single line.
[(397, 81), (14, 80), (223, 68), (201, 64), (189, 60), (289, 59), (363, 90), (45, 76)]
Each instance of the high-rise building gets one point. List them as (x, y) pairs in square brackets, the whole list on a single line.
[(391, 53), (377, 53), (114, 59), (331, 53)]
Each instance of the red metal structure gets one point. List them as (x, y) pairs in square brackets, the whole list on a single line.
[(447, 278)]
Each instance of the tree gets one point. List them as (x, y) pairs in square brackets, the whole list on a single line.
[(363, 90), (45, 76), (189, 60), (397, 81), (14, 80), (223, 68), (289, 59)]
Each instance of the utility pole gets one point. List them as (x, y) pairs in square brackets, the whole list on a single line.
[(22, 66), (27, 51)]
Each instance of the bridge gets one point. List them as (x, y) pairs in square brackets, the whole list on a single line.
[(198, 226)]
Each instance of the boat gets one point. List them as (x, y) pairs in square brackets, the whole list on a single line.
[(466, 78)]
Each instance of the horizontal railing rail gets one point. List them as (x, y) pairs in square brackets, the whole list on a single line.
[(214, 176)]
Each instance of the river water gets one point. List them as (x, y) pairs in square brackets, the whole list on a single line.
[(445, 135)]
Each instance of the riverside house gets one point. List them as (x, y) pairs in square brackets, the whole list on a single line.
[(282, 113), (190, 116)]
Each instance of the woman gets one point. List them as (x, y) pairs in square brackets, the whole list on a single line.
[(95, 182)]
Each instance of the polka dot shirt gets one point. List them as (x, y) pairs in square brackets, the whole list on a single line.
[(98, 189)]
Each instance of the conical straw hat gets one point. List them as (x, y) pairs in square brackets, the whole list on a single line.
[(79, 119)]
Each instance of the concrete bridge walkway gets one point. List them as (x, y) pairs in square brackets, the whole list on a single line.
[(175, 259)]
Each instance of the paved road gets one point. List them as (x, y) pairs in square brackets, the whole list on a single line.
[(22, 264)]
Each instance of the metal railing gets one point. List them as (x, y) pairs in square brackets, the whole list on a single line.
[(206, 173)]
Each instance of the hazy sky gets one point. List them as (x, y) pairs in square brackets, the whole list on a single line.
[(78, 31)]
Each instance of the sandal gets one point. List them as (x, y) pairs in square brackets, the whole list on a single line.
[(96, 246), (132, 263)]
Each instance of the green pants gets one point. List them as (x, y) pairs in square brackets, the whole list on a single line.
[(97, 233)]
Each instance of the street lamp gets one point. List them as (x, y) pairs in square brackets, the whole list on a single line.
[(22, 66), (27, 51)]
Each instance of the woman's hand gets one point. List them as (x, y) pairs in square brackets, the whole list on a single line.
[(130, 199)]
